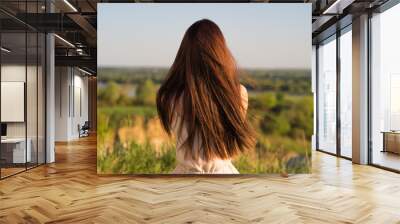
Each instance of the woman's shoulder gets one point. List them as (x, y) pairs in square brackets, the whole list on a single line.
[(244, 94), (243, 90)]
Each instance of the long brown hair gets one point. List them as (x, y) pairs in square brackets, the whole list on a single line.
[(203, 85)]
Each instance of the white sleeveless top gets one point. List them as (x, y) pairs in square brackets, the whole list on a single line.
[(200, 166)]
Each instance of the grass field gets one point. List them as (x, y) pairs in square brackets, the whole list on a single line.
[(132, 141)]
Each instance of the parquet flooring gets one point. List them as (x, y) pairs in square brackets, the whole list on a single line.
[(10, 171), (70, 191)]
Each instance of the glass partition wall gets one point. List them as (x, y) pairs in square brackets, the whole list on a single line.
[(334, 90), (22, 107), (13, 122)]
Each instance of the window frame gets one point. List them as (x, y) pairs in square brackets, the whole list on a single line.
[(333, 37)]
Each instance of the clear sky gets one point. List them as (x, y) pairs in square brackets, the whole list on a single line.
[(260, 35)]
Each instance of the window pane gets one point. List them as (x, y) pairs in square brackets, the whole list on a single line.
[(327, 96), (386, 89), (346, 94)]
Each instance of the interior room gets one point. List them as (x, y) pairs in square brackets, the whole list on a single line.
[(25, 68), (49, 129)]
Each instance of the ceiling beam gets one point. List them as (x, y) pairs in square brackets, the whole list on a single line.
[(49, 22), (77, 61), (338, 6), (85, 25)]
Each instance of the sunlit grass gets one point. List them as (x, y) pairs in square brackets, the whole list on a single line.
[(132, 141)]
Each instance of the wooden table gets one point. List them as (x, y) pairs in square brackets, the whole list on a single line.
[(391, 141)]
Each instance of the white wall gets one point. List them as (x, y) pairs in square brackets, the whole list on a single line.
[(71, 87), (62, 81), (16, 73)]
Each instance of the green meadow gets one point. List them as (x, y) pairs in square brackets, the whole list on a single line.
[(132, 141)]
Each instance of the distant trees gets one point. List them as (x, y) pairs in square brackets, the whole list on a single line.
[(114, 94), (146, 93), (263, 101), (131, 75), (277, 113), (110, 94), (288, 81)]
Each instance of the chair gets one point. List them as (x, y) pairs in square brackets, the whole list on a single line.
[(84, 130)]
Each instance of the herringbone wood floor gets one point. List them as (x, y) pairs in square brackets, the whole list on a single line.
[(70, 191)]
